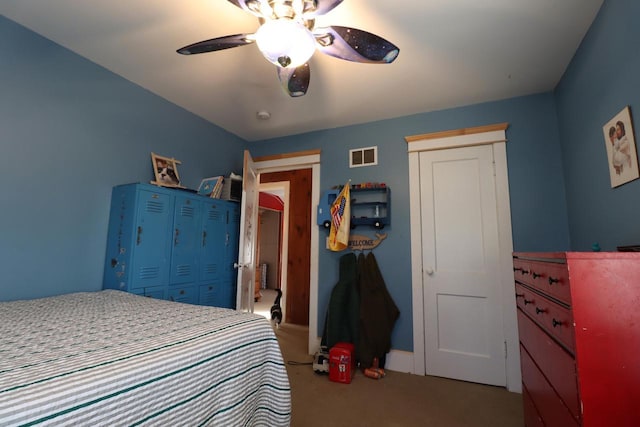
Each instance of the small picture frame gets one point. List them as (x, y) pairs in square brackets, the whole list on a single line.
[(210, 186), (621, 148), (165, 170)]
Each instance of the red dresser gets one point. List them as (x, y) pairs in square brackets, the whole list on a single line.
[(579, 327)]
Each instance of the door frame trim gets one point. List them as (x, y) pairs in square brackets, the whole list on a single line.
[(494, 135), (305, 160)]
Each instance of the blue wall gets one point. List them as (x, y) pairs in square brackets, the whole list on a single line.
[(601, 80), (69, 131), (555, 142), (532, 142)]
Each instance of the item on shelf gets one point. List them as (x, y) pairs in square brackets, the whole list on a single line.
[(165, 170), (211, 187), (232, 188)]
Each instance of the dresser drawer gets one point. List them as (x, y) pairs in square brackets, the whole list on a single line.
[(554, 362), (526, 299), (531, 416), (549, 406), (549, 277), (556, 320)]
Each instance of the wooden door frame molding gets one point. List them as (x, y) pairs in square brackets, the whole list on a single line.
[(494, 135), (292, 161)]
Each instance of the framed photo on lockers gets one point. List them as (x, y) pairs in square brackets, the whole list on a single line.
[(165, 170), (621, 148)]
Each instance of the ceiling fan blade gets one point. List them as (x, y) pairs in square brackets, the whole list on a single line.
[(355, 45), (251, 6), (295, 81), (219, 43), (321, 7)]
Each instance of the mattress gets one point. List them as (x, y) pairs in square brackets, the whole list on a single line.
[(114, 358)]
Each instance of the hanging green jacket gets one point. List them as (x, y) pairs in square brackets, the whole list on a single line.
[(341, 322)]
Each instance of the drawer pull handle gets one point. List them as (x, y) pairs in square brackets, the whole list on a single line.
[(517, 269), (555, 322), (528, 301), (552, 280), (540, 310), (533, 273), (525, 272), (519, 295)]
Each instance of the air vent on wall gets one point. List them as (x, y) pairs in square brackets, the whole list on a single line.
[(359, 157)]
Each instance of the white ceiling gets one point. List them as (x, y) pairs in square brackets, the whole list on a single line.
[(452, 53)]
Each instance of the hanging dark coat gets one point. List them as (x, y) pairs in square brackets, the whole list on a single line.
[(341, 322), (378, 312)]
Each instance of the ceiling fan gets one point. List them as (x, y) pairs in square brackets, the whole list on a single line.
[(287, 37)]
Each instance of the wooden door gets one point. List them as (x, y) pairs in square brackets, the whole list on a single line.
[(297, 288), (464, 336)]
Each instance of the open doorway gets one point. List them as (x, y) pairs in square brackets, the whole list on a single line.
[(271, 252), (305, 214), (296, 241)]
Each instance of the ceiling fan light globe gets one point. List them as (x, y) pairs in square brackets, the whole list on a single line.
[(285, 41)]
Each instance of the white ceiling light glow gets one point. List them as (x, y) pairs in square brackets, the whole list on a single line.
[(287, 37), (285, 42)]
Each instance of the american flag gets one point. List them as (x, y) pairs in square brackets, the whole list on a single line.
[(337, 211), (340, 221)]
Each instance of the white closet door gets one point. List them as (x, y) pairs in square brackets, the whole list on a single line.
[(464, 336)]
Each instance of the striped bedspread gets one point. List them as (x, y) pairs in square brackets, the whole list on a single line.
[(110, 358)]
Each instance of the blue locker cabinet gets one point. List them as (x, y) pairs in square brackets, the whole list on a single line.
[(172, 244)]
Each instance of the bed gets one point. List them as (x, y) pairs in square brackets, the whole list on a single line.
[(114, 358)]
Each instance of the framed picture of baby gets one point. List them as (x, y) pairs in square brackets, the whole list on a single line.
[(621, 148), (166, 171)]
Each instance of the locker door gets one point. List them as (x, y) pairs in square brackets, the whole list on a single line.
[(212, 240), (185, 240), (232, 240), (150, 245)]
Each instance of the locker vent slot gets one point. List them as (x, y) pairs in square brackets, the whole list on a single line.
[(208, 295), (155, 206), (211, 268), (187, 211), (149, 273), (214, 215), (183, 270)]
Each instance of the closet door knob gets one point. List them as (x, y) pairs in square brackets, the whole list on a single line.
[(429, 271)]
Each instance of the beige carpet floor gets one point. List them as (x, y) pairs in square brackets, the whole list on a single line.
[(397, 400)]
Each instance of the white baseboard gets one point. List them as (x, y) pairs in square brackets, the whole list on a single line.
[(399, 361)]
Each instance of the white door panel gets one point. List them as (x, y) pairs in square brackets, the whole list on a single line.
[(248, 231), (460, 242)]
